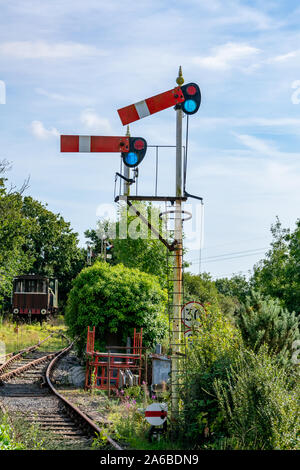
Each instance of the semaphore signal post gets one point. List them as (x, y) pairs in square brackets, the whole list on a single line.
[(185, 99), (177, 271)]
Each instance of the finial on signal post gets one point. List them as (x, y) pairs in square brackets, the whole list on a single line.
[(180, 79)]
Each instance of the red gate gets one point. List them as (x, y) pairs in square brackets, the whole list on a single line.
[(111, 370)]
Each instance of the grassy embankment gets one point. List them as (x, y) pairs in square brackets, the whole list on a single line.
[(16, 337)]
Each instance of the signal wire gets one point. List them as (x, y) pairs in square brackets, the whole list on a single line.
[(185, 154), (232, 253), (226, 257)]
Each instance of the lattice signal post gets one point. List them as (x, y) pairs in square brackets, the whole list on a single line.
[(186, 99)]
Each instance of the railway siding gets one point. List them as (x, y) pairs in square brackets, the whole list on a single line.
[(27, 393)]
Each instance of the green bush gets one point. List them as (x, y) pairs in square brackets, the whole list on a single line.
[(265, 321), (201, 288), (115, 300), (209, 357), (7, 441), (260, 407)]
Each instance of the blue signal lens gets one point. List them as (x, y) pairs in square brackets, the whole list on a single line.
[(131, 158), (190, 105)]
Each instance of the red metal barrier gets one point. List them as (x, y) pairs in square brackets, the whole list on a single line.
[(103, 369)]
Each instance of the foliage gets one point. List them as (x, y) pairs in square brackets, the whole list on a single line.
[(209, 356), (235, 287), (128, 426), (31, 435), (52, 244), (278, 275), (34, 240), (129, 423), (13, 229), (22, 336), (260, 408), (7, 441), (134, 244), (201, 288), (265, 321), (115, 299)]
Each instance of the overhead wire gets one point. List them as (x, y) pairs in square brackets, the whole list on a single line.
[(224, 257), (232, 253)]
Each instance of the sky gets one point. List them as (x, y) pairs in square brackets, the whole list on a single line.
[(67, 66)]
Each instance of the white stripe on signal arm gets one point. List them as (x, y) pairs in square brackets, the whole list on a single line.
[(142, 109), (84, 143)]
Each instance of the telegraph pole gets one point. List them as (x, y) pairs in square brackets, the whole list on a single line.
[(177, 271)]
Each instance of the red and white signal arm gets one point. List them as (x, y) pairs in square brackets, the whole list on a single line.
[(191, 312), (92, 143), (156, 413), (152, 105)]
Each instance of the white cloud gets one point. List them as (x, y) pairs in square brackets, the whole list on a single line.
[(264, 176), (45, 50), (283, 57), (226, 56), (258, 145), (39, 131), (264, 148), (74, 99), (288, 125), (250, 17), (95, 123)]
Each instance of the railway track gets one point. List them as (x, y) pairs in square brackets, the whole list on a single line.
[(27, 393), (12, 357)]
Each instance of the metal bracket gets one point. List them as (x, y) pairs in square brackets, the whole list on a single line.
[(194, 197), (171, 247), (129, 180)]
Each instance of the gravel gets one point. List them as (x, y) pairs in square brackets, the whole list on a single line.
[(69, 371)]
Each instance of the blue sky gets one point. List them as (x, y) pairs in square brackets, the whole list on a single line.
[(69, 65)]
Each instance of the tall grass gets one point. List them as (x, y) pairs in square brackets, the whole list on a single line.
[(16, 337)]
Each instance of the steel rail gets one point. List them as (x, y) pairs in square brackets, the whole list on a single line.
[(29, 365), (73, 409), (15, 356)]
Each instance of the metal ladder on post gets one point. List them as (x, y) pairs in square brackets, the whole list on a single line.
[(176, 389)]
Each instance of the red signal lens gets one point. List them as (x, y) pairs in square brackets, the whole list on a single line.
[(138, 144), (191, 90)]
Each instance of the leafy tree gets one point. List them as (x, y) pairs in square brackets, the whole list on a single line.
[(115, 299), (278, 275), (52, 244), (13, 229), (203, 289), (98, 239), (200, 288), (133, 242), (237, 286), (34, 240), (265, 321)]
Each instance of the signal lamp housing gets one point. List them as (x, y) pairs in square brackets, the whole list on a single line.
[(137, 151), (192, 98)]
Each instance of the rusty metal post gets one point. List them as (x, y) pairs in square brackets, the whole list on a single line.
[(177, 271), (108, 373), (146, 367), (87, 375)]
